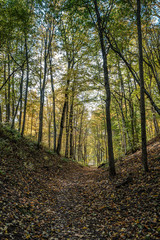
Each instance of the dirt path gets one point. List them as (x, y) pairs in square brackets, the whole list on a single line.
[(72, 207), (81, 203), (87, 206)]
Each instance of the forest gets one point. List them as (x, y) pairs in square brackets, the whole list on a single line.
[(81, 77), (79, 119)]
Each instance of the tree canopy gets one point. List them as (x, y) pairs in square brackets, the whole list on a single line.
[(71, 75)]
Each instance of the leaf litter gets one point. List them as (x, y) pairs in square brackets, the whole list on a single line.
[(74, 202)]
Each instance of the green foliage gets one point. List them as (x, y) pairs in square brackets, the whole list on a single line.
[(15, 18), (2, 172), (50, 152), (76, 43), (5, 147), (64, 159), (11, 134)]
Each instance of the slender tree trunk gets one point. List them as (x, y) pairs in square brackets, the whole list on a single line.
[(32, 117), (98, 146), (61, 129), (85, 153), (116, 50), (142, 102), (122, 89), (26, 90), (105, 136), (71, 126), (156, 126), (136, 126), (132, 124), (122, 133), (80, 137), (42, 91), (49, 133), (75, 136), (54, 104), (9, 91), (20, 101), (124, 125), (6, 99), (28, 125), (112, 170), (85, 145), (47, 46), (13, 96), (0, 113), (67, 129), (63, 113)]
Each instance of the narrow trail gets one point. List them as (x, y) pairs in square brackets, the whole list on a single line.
[(88, 206), (68, 202), (73, 219)]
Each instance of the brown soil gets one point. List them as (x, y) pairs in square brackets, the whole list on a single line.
[(53, 198)]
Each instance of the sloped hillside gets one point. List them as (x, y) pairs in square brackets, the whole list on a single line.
[(44, 196), (23, 155)]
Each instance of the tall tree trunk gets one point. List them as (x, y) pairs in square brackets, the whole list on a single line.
[(19, 103), (20, 100), (61, 129), (71, 125), (6, 99), (0, 113), (85, 146), (112, 170), (13, 97), (32, 117), (142, 102), (117, 51), (63, 112), (54, 104), (75, 136), (132, 124), (124, 125), (9, 91), (47, 46), (67, 128), (105, 135), (49, 133), (122, 133), (156, 126), (42, 92), (26, 90), (80, 136)]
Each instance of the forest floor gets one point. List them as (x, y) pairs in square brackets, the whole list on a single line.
[(44, 196)]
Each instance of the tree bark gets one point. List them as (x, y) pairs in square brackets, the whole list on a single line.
[(54, 104), (9, 93), (71, 125), (19, 103), (142, 102), (47, 46), (20, 100), (0, 113), (155, 122), (61, 129), (80, 136), (13, 96), (6, 99), (64, 110), (112, 170), (67, 128), (26, 90), (42, 92)]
